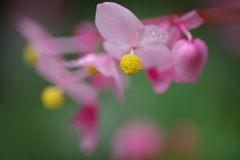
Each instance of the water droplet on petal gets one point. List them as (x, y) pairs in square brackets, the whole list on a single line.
[(154, 33), (161, 35), (150, 27), (145, 38)]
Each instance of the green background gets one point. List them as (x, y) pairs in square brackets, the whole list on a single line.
[(30, 132)]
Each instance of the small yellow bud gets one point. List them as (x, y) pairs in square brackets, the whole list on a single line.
[(30, 55), (92, 70), (52, 97), (131, 64)]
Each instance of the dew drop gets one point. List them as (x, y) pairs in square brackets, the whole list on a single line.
[(154, 33), (161, 35), (150, 27), (145, 38)]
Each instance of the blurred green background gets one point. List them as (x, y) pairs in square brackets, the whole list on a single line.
[(28, 131)]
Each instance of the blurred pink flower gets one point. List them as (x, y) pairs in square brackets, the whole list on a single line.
[(49, 64), (86, 122), (86, 40), (108, 73), (138, 140)]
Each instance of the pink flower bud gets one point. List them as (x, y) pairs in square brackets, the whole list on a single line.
[(189, 58), (137, 140)]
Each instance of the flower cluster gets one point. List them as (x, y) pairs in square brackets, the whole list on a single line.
[(156, 45)]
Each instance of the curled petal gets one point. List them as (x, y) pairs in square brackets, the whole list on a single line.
[(117, 24), (189, 58), (155, 56)]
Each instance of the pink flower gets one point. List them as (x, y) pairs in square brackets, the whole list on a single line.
[(138, 140), (189, 58), (124, 34), (86, 122), (104, 71)]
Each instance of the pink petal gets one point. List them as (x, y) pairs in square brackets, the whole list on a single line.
[(155, 21), (192, 19), (117, 82), (155, 56), (88, 140), (161, 81), (86, 121), (116, 50), (37, 35), (50, 68), (99, 61), (189, 58), (152, 35), (81, 92), (117, 24)]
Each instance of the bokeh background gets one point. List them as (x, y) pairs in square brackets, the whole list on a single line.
[(28, 131)]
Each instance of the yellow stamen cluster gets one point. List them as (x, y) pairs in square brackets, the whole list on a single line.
[(30, 55), (52, 97), (131, 64), (92, 70)]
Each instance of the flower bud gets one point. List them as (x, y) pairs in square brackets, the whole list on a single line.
[(189, 59)]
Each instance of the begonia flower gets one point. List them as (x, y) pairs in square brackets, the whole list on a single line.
[(124, 33), (138, 140), (100, 66), (86, 122)]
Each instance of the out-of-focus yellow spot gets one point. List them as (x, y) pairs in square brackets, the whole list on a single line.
[(92, 70), (131, 64), (52, 97), (30, 55)]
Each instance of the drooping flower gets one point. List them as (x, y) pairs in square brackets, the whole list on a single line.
[(189, 58), (101, 69), (86, 123), (138, 140), (124, 33)]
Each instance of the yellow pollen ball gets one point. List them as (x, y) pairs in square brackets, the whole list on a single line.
[(30, 55), (52, 97), (92, 70), (131, 64)]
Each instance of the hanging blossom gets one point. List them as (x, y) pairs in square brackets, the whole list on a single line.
[(49, 65), (188, 56)]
